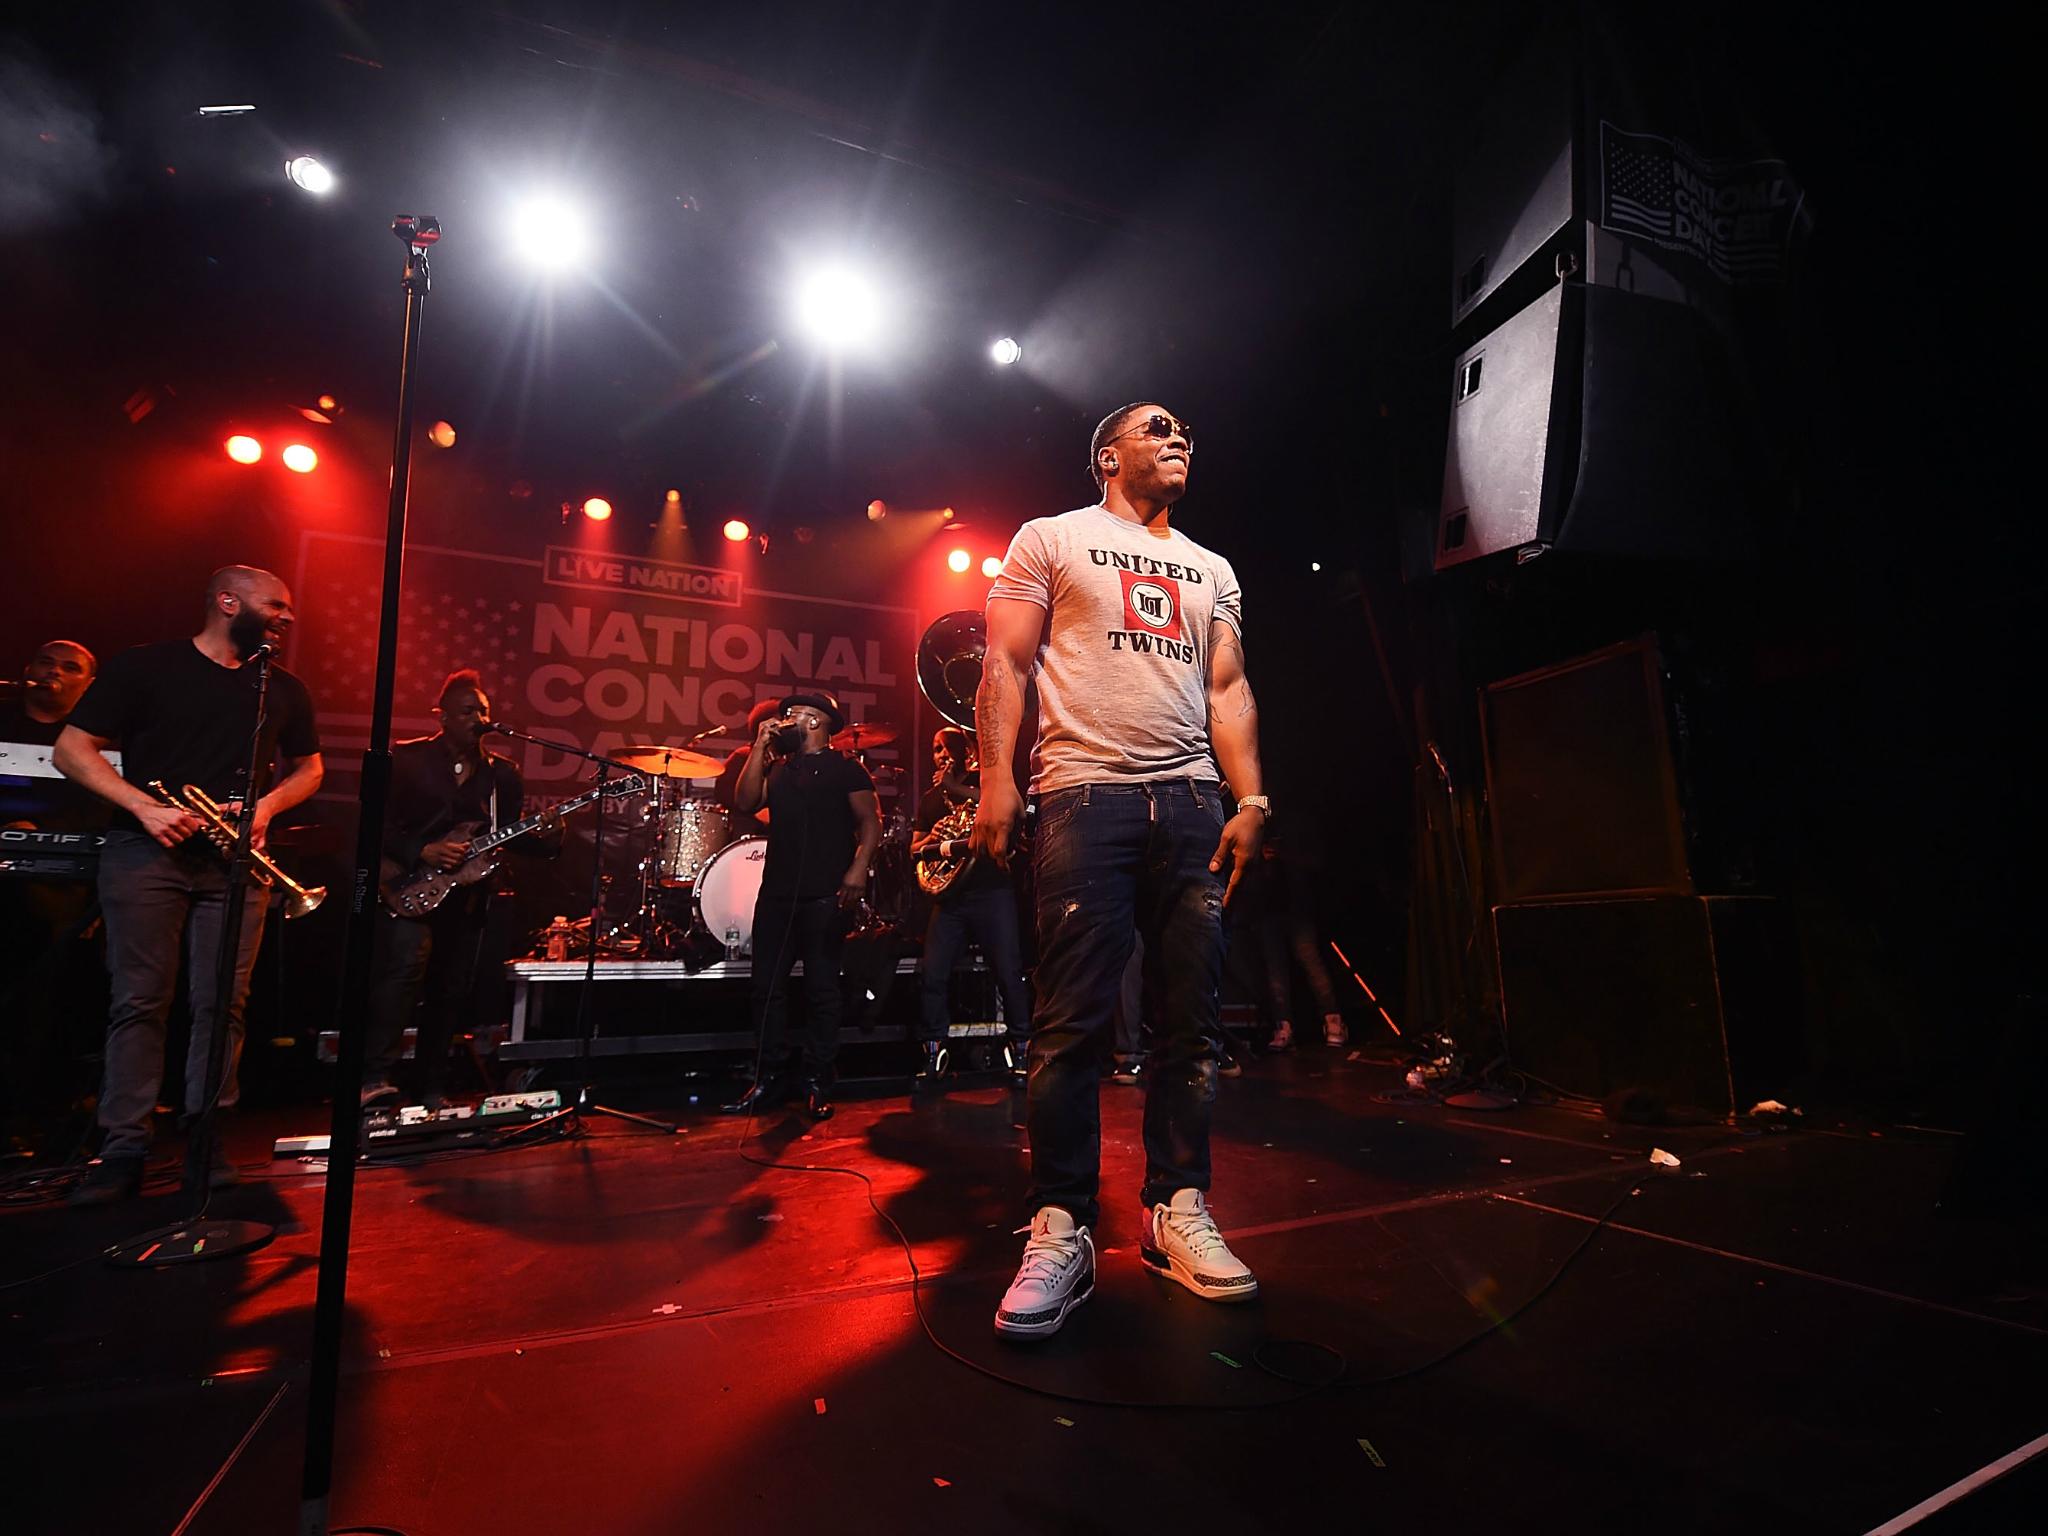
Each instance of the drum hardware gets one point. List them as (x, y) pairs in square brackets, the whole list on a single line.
[(867, 733), (672, 762)]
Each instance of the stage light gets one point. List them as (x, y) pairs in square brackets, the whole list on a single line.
[(877, 510), (549, 233), (737, 530), (945, 514), (992, 567), (673, 498), (1006, 351), (244, 450), (597, 509), (441, 435), (310, 175), (838, 308), (328, 403), (959, 560), (1315, 565), (300, 459)]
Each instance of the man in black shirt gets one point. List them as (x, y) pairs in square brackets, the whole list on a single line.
[(51, 686), (821, 812), (183, 712), (44, 975), (980, 905), (440, 785)]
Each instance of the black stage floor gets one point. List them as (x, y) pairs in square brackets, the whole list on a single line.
[(631, 1333)]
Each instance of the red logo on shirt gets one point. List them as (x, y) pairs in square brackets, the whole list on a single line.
[(1152, 603)]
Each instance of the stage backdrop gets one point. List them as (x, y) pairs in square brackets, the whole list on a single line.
[(603, 650)]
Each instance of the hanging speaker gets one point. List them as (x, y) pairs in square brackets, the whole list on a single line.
[(1598, 421)]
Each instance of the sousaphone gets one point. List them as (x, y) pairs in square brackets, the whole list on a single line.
[(949, 671)]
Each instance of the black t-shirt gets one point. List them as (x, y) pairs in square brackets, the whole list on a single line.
[(179, 716), (982, 874), (811, 831), (17, 724), (428, 801)]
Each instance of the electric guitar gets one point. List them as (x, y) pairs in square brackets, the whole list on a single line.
[(420, 891)]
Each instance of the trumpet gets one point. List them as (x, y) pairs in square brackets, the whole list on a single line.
[(299, 899)]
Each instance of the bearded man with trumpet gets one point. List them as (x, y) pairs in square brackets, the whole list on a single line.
[(971, 899), (183, 713)]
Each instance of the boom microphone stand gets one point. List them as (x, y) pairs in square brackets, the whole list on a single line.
[(418, 233), (586, 1020)]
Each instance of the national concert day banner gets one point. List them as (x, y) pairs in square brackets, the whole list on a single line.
[(604, 650)]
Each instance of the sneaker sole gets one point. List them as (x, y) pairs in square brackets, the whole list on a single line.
[(1045, 1328), (1164, 1264)]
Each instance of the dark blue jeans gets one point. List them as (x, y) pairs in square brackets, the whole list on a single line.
[(787, 930), (1114, 860), (164, 906), (989, 917)]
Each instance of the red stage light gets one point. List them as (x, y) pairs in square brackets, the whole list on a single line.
[(877, 510), (959, 560), (597, 509), (737, 531), (244, 450), (992, 567), (326, 403), (300, 459)]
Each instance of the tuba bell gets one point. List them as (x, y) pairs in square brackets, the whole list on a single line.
[(949, 671)]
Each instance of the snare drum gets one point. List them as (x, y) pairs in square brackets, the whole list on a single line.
[(727, 887), (691, 832)]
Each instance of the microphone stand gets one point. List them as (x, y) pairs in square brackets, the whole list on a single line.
[(316, 1477), (585, 1102), (196, 1238)]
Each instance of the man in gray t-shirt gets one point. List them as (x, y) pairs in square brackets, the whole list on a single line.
[(1131, 634)]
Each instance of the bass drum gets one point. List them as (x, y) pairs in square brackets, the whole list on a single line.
[(727, 887)]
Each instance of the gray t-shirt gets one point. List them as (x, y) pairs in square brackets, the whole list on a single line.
[(1123, 669)]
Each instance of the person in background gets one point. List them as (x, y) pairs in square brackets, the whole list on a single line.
[(822, 813), (980, 904), (439, 784)]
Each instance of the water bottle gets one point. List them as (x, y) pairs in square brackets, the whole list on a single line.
[(732, 942), (558, 939)]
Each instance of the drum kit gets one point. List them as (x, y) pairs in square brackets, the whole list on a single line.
[(700, 864)]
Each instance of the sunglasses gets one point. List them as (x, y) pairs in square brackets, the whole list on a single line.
[(1158, 424)]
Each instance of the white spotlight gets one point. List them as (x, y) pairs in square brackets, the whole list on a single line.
[(549, 233), (310, 175), (1006, 351), (839, 308)]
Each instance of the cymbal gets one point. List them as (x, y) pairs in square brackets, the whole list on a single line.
[(869, 733), (672, 762)]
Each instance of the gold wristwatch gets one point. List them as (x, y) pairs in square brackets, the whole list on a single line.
[(1259, 803)]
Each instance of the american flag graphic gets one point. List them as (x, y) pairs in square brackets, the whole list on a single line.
[(1636, 182), (1738, 217), (446, 620)]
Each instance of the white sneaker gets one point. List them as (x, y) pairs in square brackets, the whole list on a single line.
[(1182, 1243), (1057, 1275), (1334, 1032)]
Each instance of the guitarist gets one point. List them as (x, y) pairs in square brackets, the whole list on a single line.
[(440, 786)]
